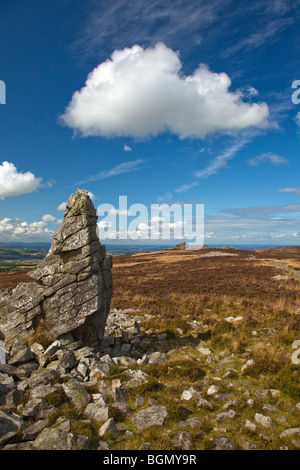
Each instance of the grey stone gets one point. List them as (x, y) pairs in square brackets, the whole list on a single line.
[(119, 394), (202, 403), (19, 446), (139, 401), (37, 408), (271, 408), (42, 377), (189, 393), (99, 369), (212, 390), (250, 426), (96, 412), (58, 439), (145, 446), (108, 428), (225, 415), (10, 400), (33, 431), (122, 408), (158, 358), (290, 432), (68, 360), (223, 443), (264, 421), (246, 445), (193, 422), (100, 398), (10, 425), (152, 416), (77, 394), (73, 284), (53, 348), (183, 440), (24, 355)]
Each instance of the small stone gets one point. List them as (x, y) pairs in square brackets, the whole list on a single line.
[(109, 427), (77, 394), (58, 439), (202, 403), (82, 369), (122, 408), (247, 365), (183, 440), (100, 398), (153, 416), (119, 394), (139, 401), (10, 424), (271, 408), (250, 426), (68, 360), (246, 445), (225, 415), (204, 351), (96, 412), (145, 446), (23, 355), (128, 434), (290, 432), (33, 431), (158, 358), (53, 348), (264, 421), (189, 393), (37, 408), (213, 390), (223, 443)]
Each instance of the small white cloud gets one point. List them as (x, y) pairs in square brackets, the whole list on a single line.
[(48, 219), (251, 91), (267, 157), (125, 167), (126, 148), (298, 119), (61, 206), (14, 183), (92, 196), (289, 190), (142, 92)]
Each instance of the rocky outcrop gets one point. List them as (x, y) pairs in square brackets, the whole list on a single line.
[(73, 284)]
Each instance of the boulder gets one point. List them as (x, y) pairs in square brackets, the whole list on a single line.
[(72, 288), (58, 439), (10, 425), (77, 394), (152, 416)]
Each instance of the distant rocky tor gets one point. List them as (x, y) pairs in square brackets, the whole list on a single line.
[(73, 284)]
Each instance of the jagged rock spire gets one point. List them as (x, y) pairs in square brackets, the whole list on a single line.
[(73, 284)]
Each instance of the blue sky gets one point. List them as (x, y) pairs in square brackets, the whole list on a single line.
[(163, 101)]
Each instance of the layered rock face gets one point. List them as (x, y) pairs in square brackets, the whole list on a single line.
[(73, 284)]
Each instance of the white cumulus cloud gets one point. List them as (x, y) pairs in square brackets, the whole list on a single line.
[(267, 157), (14, 183), (142, 92), (19, 230)]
